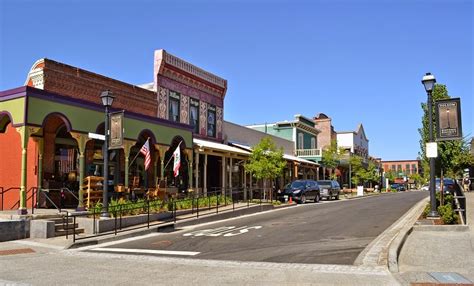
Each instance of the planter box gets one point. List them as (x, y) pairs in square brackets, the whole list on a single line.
[(108, 224)]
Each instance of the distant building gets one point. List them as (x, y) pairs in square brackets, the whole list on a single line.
[(402, 167), (355, 142)]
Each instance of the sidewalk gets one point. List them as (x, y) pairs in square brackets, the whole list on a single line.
[(435, 254)]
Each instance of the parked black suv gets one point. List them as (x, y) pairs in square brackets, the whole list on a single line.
[(329, 189), (300, 191)]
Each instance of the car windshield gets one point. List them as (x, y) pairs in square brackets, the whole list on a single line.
[(324, 183), (296, 184)]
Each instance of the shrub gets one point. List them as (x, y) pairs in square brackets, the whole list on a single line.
[(427, 210), (447, 214)]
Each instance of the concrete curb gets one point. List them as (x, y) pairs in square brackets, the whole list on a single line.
[(440, 228), (397, 243)]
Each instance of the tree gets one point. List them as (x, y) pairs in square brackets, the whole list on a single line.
[(266, 161), (332, 157), (390, 175), (453, 156), (358, 170)]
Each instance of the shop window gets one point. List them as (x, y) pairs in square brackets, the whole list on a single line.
[(300, 141), (194, 115), (174, 106), (211, 121)]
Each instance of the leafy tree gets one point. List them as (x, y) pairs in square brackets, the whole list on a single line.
[(390, 175), (358, 170), (453, 156), (266, 161), (332, 157)]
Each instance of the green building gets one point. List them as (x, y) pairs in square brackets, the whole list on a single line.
[(301, 131)]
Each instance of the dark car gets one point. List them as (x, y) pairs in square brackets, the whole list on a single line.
[(449, 186), (329, 189), (300, 191), (398, 187)]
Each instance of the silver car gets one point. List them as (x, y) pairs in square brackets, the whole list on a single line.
[(329, 189)]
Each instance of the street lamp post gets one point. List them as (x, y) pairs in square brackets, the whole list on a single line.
[(107, 98), (429, 82)]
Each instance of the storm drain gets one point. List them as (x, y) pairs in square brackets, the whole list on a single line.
[(16, 251)]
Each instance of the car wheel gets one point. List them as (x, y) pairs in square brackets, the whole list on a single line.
[(329, 198), (303, 199), (337, 196), (316, 199)]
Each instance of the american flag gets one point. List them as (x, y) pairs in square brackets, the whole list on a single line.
[(145, 150)]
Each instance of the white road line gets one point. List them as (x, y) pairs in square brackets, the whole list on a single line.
[(145, 251), (38, 244)]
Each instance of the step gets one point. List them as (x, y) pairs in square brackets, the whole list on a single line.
[(65, 226), (63, 232), (61, 220)]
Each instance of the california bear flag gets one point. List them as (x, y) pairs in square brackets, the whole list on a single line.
[(177, 161)]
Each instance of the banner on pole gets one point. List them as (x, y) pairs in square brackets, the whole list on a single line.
[(116, 130), (448, 119)]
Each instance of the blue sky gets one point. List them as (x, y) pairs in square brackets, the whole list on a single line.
[(356, 61)]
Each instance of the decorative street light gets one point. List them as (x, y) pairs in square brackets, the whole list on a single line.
[(429, 82), (107, 98)]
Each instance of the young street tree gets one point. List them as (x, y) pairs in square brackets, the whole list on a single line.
[(453, 156), (266, 161), (332, 157)]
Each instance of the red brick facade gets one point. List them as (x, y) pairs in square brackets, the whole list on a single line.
[(324, 124), (407, 167), (81, 84)]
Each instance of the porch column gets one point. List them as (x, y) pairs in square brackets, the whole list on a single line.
[(162, 149), (296, 171), (245, 183), (230, 175), (250, 189), (40, 143), (205, 175), (127, 146), (25, 132), (82, 140), (196, 171), (223, 173), (324, 173), (317, 173), (189, 154)]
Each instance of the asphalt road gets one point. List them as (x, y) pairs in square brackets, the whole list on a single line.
[(322, 233)]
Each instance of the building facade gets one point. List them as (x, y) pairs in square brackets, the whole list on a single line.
[(301, 131), (402, 168)]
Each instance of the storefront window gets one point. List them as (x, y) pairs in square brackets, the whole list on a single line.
[(174, 106), (211, 121), (194, 115)]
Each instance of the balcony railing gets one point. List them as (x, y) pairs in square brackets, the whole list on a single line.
[(309, 152)]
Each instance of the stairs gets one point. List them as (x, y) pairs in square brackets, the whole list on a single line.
[(61, 227)]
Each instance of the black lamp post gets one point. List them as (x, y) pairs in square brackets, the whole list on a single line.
[(107, 98), (429, 82)]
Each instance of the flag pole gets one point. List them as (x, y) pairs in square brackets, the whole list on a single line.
[(138, 153), (172, 156)]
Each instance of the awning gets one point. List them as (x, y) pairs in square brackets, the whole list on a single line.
[(219, 147)]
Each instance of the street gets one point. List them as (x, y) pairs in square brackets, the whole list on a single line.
[(323, 233)]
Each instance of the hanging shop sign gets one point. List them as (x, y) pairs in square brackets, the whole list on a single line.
[(116, 130), (448, 119)]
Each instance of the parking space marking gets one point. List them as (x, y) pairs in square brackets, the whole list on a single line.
[(145, 251), (226, 231)]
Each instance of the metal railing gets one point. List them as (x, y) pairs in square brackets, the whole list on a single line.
[(30, 195), (193, 206), (309, 152)]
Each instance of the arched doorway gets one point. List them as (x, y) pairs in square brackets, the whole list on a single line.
[(181, 181)]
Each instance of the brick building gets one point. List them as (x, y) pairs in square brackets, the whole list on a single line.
[(402, 168)]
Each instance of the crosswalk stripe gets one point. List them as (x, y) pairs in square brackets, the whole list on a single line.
[(146, 251)]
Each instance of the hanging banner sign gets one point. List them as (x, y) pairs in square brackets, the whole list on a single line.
[(116, 130), (448, 119)]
